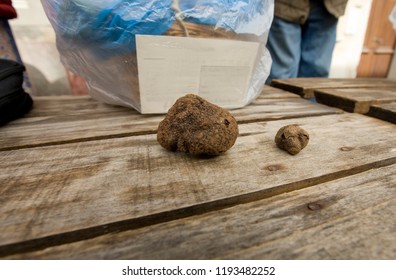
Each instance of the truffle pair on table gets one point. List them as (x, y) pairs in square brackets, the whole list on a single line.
[(198, 127)]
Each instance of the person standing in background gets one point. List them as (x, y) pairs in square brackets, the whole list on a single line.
[(302, 37)]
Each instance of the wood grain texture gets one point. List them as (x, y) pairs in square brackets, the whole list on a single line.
[(70, 120), (355, 100), (56, 194), (305, 86), (85, 105), (348, 218), (275, 93), (386, 112), (66, 105)]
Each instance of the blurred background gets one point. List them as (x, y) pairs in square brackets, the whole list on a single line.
[(35, 41), (365, 46)]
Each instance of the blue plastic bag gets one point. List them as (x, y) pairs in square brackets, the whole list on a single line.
[(97, 39), (109, 25)]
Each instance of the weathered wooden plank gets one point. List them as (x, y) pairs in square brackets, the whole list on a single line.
[(65, 105), (386, 112), (273, 92), (84, 105), (99, 186), (87, 120), (274, 109), (349, 218), (305, 86), (355, 100)]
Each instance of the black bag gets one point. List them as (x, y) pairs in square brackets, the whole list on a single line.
[(14, 101)]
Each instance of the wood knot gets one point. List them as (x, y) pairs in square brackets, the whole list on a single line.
[(275, 167), (346, 149), (314, 206)]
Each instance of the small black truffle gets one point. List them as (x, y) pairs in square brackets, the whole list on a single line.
[(292, 139)]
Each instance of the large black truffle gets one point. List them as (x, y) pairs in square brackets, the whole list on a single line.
[(198, 127)]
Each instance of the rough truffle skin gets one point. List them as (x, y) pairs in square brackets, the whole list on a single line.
[(292, 139), (198, 127)]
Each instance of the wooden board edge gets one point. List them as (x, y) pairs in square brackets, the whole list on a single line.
[(382, 114), (331, 100), (281, 84)]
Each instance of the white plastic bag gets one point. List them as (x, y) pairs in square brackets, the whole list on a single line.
[(97, 39)]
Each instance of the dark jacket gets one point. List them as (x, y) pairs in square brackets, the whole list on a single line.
[(297, 10)]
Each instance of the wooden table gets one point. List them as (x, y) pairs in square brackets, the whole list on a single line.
[(84, 180), (375, 97)]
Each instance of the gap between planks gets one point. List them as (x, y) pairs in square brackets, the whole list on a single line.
[(78, 140), (167, 216)]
